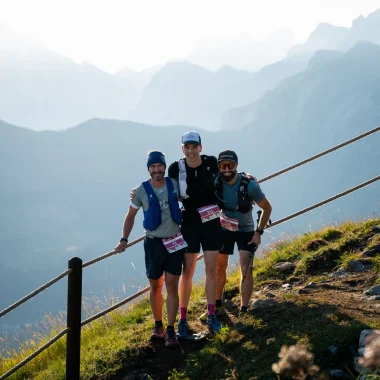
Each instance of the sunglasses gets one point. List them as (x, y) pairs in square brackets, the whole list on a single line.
[(227, 166)]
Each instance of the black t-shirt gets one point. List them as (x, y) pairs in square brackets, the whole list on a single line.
[(200, 185)]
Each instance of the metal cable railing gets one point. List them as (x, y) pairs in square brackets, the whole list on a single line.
[(35, 353), (35, 292), (319, 155), (108, 254)]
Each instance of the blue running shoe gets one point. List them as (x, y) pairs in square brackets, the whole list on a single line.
[(183, 329), (213, 324)]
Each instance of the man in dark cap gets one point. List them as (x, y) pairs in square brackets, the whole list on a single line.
[(163, 244), (236, 194)]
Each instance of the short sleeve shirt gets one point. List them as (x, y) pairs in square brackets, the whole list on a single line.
[(230, 197), (168, 227)]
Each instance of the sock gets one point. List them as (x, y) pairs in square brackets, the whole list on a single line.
[(182, 312), (243, 309), (157, 323), (211, 309), (170, 328), (218, 303)]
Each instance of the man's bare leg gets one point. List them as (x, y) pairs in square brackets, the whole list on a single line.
[(172, 299), (156, 297), (211, 259), (221, 276), (246, 287), (186, 282)]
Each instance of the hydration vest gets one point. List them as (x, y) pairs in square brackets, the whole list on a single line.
[(206, 172), (152, 216), (244, 202)]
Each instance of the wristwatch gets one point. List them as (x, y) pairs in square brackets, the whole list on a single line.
[(259, 231), (124, 239)]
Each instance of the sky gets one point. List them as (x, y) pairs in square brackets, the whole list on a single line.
[(138, 34)]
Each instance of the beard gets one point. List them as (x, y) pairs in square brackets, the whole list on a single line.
[(157, 176), (228, 176)]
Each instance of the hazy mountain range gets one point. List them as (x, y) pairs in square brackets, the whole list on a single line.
[(44, 90), (241, 52)]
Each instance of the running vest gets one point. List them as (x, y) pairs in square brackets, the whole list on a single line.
[(182, 177), (152, 216), (244, 202)]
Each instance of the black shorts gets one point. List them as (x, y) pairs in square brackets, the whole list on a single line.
[(207, 235), (229, 238), (158, 260)]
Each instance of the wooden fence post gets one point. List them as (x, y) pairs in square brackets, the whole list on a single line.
[(74, 309)]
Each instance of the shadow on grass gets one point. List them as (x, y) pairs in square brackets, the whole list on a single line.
[(251, 346)]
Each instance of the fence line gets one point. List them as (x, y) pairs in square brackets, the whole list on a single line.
[(325, 201), (35, 292), (35, 353), (319, 155)]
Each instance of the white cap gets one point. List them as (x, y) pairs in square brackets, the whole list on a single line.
[(191, 138)]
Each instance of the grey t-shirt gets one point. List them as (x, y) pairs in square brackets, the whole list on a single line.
[(167, 228), (230, 198)]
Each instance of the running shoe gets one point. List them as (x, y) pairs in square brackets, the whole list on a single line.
[(183, 329), (171, 339), (158, 332), (213, 324)]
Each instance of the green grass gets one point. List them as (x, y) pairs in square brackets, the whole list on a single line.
[(245, 350)]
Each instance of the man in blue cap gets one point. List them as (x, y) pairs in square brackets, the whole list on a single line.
[(163, 244)]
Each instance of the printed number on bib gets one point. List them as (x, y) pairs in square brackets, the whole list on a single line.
[(174, 243), (228, 223), (209, 212)]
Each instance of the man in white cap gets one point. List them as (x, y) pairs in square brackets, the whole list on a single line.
[(200, 226)]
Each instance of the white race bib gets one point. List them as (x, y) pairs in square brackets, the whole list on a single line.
[(209, 212), (174, 243), (228, 223)]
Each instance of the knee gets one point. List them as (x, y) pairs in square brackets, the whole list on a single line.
[(156, 288), (211, 272)]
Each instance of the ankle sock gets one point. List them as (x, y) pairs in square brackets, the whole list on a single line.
[(182, 312), (157, 323), (243, 309), (211, 309), (218, 303), (170, 328)]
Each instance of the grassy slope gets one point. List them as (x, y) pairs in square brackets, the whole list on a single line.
[(117, 346)]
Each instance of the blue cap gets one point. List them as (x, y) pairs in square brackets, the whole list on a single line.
[(155, 157)]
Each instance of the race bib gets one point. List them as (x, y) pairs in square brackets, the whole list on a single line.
[(209, 212), (174, 243), (228, 223)]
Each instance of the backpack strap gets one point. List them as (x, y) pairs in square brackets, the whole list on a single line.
[(182, 176)]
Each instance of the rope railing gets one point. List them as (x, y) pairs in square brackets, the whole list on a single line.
[(319, 155), (113, 307), (34, 354), (325, 201), (108, 254), (35, 292)]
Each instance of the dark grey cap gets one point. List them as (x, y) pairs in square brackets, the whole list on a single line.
[(229, 155)]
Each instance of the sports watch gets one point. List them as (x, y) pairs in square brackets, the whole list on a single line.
[(124, 239), (259, 231)]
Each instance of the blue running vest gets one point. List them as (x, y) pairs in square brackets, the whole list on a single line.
[(152, 216)]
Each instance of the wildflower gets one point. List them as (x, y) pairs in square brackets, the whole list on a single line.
[(295, 363), (371, 356)]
